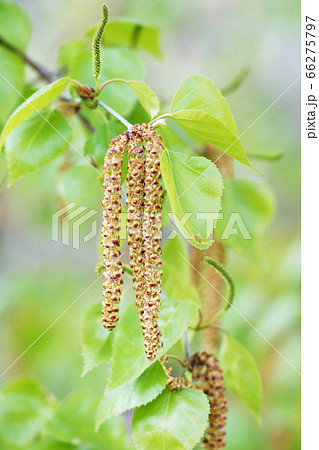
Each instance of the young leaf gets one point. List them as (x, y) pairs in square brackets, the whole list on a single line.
[(97, 344), (73, 422), (209, 129), (172, 140), (24, 409), (12, 71), (138, 392), (174, 420), (198, 92), (145, 96), (241, 373), (36, 142), (247, 208), (129, 359), (176, 279), (121, 63), (82, 185), (38, 100), (97, 143), (130, 33), (194, 187), (15, 26)]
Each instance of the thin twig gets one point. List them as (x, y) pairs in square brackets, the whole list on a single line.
[(51, 76), (112, 80), (44, 73), (182, 363), (107, 108), (187, 347)]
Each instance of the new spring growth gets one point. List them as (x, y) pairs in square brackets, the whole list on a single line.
[(208, 377), (144, 198), (96, 44)]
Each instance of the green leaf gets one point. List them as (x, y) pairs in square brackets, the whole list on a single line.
[(194, 187), (174, 420), (15, 27), (129, 359), (241, 373), (97, 143), (36, 142), (81, 184), (198, 92), (24, 409), (176, 245), (68, 50), (73, 422), (12, 70), (209, 129), (119, 63), (172, 140), (50, 444), (131, 33), (248, 208), (38, 100), (138, 392), (176, 273), (97, 343), (146, 96)]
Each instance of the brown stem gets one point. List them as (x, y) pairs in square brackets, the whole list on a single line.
[(112, 80), (45, 74), (182, 363), (210, 298)]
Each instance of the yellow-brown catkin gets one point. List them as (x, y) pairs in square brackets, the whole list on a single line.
[(174, 383), (111, 231), (135, 206), (207, 376), (144, 198), (152, 231)]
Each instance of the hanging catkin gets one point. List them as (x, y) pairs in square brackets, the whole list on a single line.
[(135, 202), (152, 230), (111, 231), (207, 376), (144, 198)]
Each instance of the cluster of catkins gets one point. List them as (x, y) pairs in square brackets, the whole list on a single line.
[(144, 198), (208, 377)]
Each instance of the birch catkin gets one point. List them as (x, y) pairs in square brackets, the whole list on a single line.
[(111, 231), (135, 202), (145, 231), (207, 376), (144, 198), (151, 243)]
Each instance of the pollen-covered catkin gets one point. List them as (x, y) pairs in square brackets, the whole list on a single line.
[(111, 231), (152, 230), (144, 199), (135, 202), (207, 376)]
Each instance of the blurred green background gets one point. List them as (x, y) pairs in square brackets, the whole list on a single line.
[(40, 278)]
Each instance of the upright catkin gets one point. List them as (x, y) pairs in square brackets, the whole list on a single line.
[(111, 231), (208, 377), (97, 40)]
